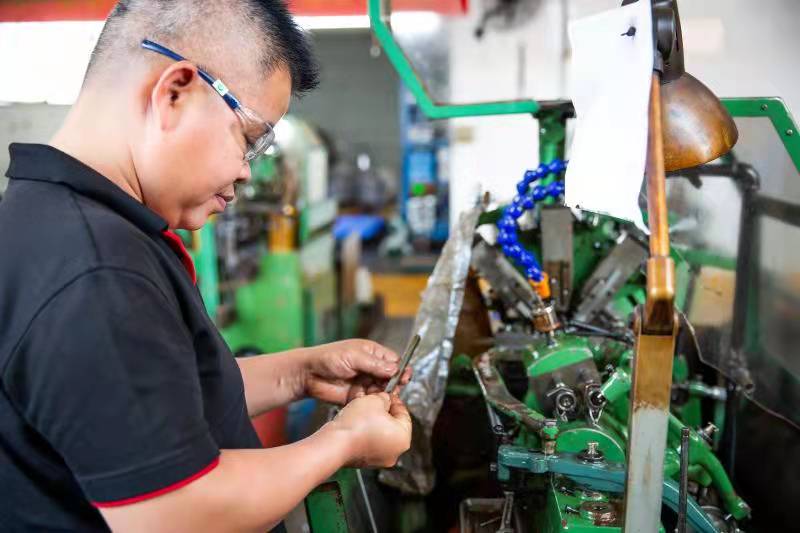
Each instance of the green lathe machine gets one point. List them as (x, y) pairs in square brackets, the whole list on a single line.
[(649, 383)]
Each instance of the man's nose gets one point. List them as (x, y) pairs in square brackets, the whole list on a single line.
[(245, 174)]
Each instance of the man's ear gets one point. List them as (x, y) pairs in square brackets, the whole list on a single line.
[(171, 93)]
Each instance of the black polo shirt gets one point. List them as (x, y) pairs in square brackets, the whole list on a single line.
[(115, 386)]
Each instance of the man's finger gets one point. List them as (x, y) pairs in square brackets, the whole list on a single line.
[(356, 391), (389, 355), (370, 363), (385, 398), (399, 411), (360, 387), (376, 387)]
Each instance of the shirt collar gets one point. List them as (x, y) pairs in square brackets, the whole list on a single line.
[(41, 162)]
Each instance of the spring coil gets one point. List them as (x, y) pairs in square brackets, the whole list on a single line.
[(525, 200)]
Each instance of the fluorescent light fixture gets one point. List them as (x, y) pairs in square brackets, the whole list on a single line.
[(408, 22), (333, 22), (416, 21)]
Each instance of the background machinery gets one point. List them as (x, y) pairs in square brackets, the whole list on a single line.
[(526, 393)]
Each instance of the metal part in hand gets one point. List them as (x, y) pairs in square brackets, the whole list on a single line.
[(412, 346)]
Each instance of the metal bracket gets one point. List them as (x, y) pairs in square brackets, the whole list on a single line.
[(609, 276), (497, 396), (557, 252), (776, 111)]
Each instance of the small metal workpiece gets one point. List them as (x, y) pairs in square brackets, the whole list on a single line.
[(412, 346), (592, 454), (708, 432), (545, 319)]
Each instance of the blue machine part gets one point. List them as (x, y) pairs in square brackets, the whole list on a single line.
[(525, 200), (367, 226)]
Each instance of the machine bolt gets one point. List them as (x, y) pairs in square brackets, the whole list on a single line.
[(566, 402), (790, 132), (764, 107), (708, 432), (601, 513), (592, 454)]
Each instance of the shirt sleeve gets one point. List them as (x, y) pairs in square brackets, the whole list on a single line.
[(107, 374)]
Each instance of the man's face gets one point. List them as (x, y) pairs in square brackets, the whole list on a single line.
[(195, 144)]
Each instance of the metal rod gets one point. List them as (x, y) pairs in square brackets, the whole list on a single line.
[(370, 514), (683, 495), (659, 306), (412, 346), (656, 182)]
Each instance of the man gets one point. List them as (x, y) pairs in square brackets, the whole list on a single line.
[(120, 405)]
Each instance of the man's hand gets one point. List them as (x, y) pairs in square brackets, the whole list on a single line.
[(251, 490), (378, 427), (341, 371)]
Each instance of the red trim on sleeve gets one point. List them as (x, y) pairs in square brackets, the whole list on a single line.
[(160, 492), (176, 243)]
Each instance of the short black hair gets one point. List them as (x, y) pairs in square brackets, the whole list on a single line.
[(292, 46), (278, 40)]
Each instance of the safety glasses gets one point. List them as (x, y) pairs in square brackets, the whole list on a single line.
[(258, 133)]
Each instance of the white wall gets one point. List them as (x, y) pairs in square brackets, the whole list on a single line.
[(491, 153), (26, 123), (736, 47)]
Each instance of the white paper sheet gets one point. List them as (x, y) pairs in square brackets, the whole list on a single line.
[(611, 76)]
